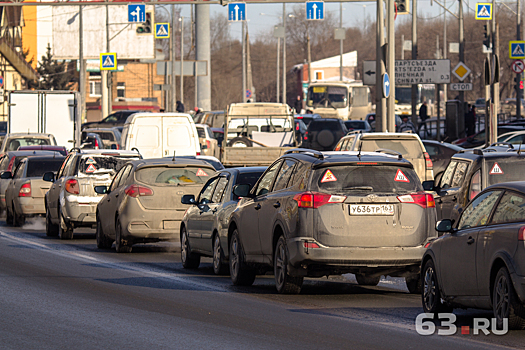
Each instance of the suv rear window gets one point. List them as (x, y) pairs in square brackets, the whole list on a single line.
[(504, 170), (14, 143), (409, 148), (162, 175), (100, 164), (366, 179), (37, 168), (324, 125), (201, 132)]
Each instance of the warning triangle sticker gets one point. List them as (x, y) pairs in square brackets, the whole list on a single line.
[(91, 169), (91, 161), (201, 172), (483, 12), (328, 177), (496, 170), (400, 177), (108, 62), (518, 51), (162, 31)]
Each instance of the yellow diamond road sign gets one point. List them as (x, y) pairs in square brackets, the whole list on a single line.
[(461, 71)]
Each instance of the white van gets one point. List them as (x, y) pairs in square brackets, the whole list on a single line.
[(158, 135)]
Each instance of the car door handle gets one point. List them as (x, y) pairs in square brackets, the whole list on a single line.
[(214, 210), (470, 240), (116, 195), (257, 207), (454, 198), (277, 205)]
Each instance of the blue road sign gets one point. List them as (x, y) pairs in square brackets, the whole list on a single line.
[(137, 13), (386, 85), (108, 61), (314, 10), (517, 49), (236, 11), (162, 30), (483, 11), (248, 93), (1, 81)]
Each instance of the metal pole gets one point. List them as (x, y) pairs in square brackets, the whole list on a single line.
[(438, 98), (414, 57), (309, 58), (104, 82), (445, 49), (243, 64), (495, 83), (391, 61), (195, 71), (518, 76), (172, 52), (278, 75), (110, 74), (284, 53), (166, 92), (82, 82), (402, 46), (381, 124), (461, 125), (341, 42), (202, 38), (181, 59)]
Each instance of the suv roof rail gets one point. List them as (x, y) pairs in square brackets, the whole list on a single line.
[(475, 151), (354, 132), (509, 145), (310, 152), (390, 152), (75, 149)]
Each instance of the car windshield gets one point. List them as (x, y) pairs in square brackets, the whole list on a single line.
[(38, 167), (163, 175), (101, 165), (14, 143), (327, 96), (201, 132), (504, 170), (409, 148), (350, 179)]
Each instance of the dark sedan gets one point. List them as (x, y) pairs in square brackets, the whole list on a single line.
[(480, 262), (440, 154), (479, 138), (204, 227)]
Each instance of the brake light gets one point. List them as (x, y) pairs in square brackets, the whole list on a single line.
[(198, 153), (306, 135), (521, 234), (208, 144), (72, 186), (96, 144), (11, 162), (424, 200), (428, 161), (311, 245), (475, 185), (427, 245), (136, 191), (297, 126), (316, 199), (25, 190)]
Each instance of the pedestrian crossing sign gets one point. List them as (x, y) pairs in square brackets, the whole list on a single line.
[(483, 11), (162, 30), (108, 61), (517, 50)]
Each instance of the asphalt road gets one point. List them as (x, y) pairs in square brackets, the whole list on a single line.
[(68, 294)]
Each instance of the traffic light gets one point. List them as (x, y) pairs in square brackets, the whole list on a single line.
[(486, 40), (402, 7), (145, 27)]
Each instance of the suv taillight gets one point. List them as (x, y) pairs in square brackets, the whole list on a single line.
[(72, 186), (25, 190), (10, 166), (424, 200), (136, 190), (521, 234), (316, 199), (428, 161)]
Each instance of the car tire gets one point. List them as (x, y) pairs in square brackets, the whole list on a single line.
[(219, 267), (240, 274), (414, 284), (189, 260), (505, 302), (240, 142), (431, 294), (8, 216), (103, 242), (65, 231), (284, 282), (325, 138), (366, 280), (18, 219), (120, 246), (51, 229)]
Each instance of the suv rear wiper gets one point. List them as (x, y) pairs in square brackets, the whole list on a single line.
[(357, 188)]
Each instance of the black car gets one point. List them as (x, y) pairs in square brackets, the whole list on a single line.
[(204, 227), (323, 134), (113, 120), (352, 125), (307, 118), (371, 119), (471, 171), (480, 261), (479, 139), (440, 153)]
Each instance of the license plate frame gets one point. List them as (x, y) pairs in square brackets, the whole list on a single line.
[(371, 209)]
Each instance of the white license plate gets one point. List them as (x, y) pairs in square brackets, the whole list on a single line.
[(371, 209)]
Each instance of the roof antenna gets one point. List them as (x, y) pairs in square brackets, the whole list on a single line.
[(173, 159), (359, 151)]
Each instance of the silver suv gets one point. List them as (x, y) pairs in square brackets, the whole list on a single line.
[(72, 201)]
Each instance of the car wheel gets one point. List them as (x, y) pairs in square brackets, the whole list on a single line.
[(8, 216), (240, 142), (366, 280), (51, 229), (219, 268), (18, 219), (65, 231), (505, 302), (431, 295), (284, 283), (120, 246), (189, 260), (103, 242), (241, 274)]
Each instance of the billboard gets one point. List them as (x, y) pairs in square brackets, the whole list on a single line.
[(124, 39)]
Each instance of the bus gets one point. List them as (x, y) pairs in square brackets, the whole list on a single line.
[(342, 100), (425, 92)]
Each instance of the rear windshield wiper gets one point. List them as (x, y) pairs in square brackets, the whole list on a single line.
[(359, 188)]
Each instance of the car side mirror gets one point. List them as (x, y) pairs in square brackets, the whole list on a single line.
[(444, 225), (188, 199), (101, 189), (428, 185), (242, 190), (6, 175), (49, 176)]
